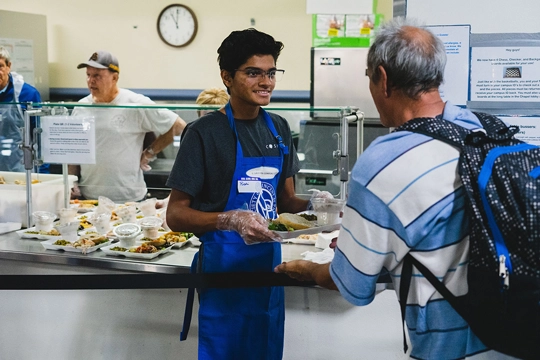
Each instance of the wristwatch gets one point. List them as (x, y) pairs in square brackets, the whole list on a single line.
[(151, 152)]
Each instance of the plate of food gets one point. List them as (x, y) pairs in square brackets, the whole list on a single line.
[(85, 244), (178, 239), (290, 226), (145, 250), (32, 233), (84, 206), (84, 222), (303, 239)]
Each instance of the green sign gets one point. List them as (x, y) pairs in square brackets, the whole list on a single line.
[(344, 30)]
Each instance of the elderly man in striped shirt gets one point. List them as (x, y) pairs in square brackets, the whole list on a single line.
[(405, 196)]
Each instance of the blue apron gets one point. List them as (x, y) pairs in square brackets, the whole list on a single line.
[(243, 323), (11, 124)]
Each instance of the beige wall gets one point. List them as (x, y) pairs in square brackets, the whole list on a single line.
[(77, 28)]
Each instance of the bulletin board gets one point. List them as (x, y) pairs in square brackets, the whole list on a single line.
[(484, 16)]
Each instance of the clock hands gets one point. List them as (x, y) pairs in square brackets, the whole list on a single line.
[(176, 19)]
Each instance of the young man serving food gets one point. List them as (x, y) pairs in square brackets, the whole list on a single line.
[(233, 171)]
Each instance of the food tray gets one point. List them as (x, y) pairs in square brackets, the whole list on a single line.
[(299, 241), (313, 230), (180, 244), (49, 246), (107, 250), (24, 235), (86, 209), (192, 240)]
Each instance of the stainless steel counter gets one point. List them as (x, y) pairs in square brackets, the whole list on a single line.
[(177, 261)]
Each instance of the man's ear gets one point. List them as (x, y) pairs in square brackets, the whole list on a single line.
[(383, 81), (226, 78)]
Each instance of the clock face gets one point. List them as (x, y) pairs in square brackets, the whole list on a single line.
[(177, 25)]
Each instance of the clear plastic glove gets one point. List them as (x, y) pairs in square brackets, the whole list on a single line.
[(146, 159), (251, 226), (318, 194)]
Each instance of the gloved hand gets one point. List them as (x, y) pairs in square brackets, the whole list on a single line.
[(146, 158), (318, 194), (251, 226)]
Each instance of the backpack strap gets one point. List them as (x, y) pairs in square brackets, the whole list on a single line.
[(404, 285), (458, 303), (439, 129), (495, 127)]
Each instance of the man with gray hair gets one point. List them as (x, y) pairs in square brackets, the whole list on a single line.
[(13, 90), (405, 196), (120, 132)]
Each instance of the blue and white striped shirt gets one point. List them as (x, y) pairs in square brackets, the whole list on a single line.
[(405, 195)]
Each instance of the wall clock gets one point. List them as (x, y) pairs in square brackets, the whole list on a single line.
[(177, 25)]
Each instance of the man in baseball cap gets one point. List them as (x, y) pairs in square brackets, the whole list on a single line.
[(120, 132), (101, 60)]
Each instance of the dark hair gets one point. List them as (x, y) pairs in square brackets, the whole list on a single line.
[(240, 45), (412, 56)]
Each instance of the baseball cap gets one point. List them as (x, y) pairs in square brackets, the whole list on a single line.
[(101, 60)]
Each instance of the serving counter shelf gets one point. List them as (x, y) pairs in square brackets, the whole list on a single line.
[(170, 270)]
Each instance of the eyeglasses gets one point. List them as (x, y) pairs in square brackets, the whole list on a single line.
[(259, 74)]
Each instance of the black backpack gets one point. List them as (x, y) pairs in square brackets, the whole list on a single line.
[(501, 176)]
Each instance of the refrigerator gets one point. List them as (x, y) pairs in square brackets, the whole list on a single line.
[(338, 78)]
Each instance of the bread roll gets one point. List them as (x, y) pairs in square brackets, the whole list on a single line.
[(295, 221)]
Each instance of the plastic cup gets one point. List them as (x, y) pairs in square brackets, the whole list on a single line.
[(148, 207), (43, 220), (327, 210), (69, 231), (127, 234), (150, 226), (102, 222), (67, 215), (128, 214), (105, 205)]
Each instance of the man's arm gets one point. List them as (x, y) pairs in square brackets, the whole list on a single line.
[(181, 217), (164, 140), (251, 226), (75, 191), (304, 270), (288, 201), (161, 142)]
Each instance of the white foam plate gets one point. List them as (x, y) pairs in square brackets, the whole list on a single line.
[(313, 230), (23, 234), (107, 250), (192, 240), (299, 241), (49, 244), (86, 208), (177, 245)]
